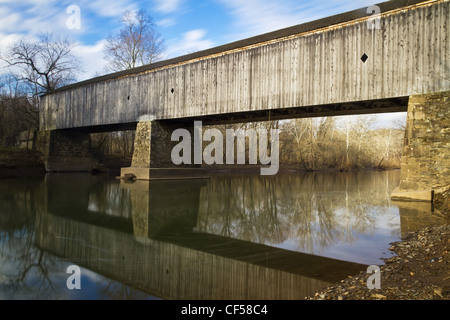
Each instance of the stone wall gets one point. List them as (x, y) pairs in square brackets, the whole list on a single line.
[(70, 144), (426, 152), (153, 145), (152, 152), (65, 151)]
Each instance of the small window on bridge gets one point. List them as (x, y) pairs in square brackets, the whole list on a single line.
[(364, 57)]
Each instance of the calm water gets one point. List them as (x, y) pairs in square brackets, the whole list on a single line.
[(227, 237)]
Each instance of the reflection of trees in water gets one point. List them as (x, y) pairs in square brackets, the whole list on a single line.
[(232, 207), (313, 210), (25, 266), (26, 270), (29, 266)]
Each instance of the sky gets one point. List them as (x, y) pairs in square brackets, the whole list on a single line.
[(185, 25)]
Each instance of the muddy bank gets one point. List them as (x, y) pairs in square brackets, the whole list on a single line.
[(420, 270), (20, 163)]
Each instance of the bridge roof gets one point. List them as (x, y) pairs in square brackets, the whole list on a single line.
[(270, 36)]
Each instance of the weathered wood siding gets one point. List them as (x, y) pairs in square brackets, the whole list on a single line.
[(408, 55)]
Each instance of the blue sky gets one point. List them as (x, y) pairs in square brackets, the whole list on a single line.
[(186, 25)]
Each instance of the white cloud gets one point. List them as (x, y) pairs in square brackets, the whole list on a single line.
[(254, 17), (91, 59), (109, 8), (257, 16), (31, 17), (28, 18), (166, 22), (9, 21), (8, 39), (191, 41), (168, 6)]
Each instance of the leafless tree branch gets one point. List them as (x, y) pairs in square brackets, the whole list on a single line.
[(137, 43)]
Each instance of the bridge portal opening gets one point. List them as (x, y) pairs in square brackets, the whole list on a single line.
[(113, 149), (373, 141), (111, 146)]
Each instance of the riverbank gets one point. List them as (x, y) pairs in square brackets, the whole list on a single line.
[(16, 162), (20, 163), (420, 270), (290, 168)]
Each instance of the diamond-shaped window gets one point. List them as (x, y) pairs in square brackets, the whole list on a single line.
[(364, 57)]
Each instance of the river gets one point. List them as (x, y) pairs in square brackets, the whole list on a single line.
[(240, 236)]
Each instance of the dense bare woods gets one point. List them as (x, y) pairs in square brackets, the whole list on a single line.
[(17, 113), (334, 143), (322, 143)]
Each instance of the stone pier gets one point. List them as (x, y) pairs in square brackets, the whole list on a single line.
[(425, 169), (152, 153)]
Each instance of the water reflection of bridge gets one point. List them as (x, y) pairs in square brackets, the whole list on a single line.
[(162, 236), (157, 251)]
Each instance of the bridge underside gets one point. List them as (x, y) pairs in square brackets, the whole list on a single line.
[(328, 110), (153, 145), (69, 150)]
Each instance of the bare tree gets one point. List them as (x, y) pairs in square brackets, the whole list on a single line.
[(36, 68), (43, 65), (137, 43)]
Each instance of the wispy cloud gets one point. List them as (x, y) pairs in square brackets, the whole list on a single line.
[(9, 20), (91, 58), (29, 17), (32, 17), (257, 16), (253, 17), (168, 6), (190, 41), (166, 22), (108, 8)]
